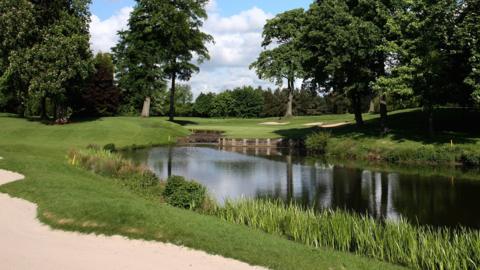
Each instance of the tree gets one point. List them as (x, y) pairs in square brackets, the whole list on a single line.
[(468, 36), (56, 59), (204, 104), (183, 100), (179, 32), (429, 60), (247, 102), (343, 40), (223, 104), (102, 97), (284, 61), (138, 58)]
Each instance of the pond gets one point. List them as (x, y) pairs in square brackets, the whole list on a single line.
[(267, 173)]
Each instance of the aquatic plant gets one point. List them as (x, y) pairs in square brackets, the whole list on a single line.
[(420, 247)]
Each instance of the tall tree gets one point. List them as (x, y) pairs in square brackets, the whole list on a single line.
[(182, 39), (469, 35), (57, 60), (138, 59), (428, 57), (162, 39), (284, 60), (343, 40)]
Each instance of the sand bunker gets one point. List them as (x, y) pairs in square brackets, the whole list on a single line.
[(335, 125), (320, 124), (28, 244), (317, 124), (275, 123)]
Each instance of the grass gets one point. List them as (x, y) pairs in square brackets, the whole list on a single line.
[(399, 242), (407, 141), (71, 198)]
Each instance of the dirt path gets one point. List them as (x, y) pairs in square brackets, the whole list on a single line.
[(25, 243)]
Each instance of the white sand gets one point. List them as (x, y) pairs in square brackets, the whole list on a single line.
[(316, 124), (275, 123), (25, 243), (335, 125)]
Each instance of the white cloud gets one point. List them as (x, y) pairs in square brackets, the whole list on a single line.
[(103, 34), (238, 41), (237, 44)]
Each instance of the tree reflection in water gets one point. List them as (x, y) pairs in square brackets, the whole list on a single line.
[(269, 173)]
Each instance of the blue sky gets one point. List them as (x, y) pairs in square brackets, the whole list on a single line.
[(106, 8), (236, 26)]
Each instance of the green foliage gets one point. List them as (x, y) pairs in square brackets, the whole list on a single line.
[(284, 61), (107, 163), (203, 106), (317, 143), (184, 194), (392, 241), (110, 147), (52, 57), (343, 41), (101, 97)]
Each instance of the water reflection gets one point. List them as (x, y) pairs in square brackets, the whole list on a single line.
[(264, 173)]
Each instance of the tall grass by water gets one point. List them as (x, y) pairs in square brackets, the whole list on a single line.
[(399, 242)]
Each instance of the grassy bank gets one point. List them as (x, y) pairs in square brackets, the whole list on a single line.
[(71, 198), (457, 139)]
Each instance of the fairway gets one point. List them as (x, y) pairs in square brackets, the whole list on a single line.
[(95, 204)]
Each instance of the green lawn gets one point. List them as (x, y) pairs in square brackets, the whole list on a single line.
[(74, 199), (408, 133)]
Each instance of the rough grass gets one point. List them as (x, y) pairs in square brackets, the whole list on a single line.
[(72, 198)]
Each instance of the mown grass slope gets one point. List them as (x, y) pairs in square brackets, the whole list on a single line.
[(70, 198)]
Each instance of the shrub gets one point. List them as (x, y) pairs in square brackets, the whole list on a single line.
[(317, 143), (184, 194), (470, 159), (110, 147)]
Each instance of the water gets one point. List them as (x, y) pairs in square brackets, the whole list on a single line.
[(261, 173)]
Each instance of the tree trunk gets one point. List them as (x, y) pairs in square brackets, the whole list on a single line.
[(172, 98), (43, 108), (429, 112), (146, 107), (383, 113), (357, 107), (291, 86)]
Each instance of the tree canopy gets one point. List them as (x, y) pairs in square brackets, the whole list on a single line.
[(282, 58)]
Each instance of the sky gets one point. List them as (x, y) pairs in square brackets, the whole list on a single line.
[(236, 26)]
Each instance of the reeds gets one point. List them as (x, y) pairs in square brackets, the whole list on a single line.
[(420, 247), (136, 177)]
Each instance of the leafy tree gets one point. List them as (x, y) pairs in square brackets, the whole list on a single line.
[(223, 104), (203, 106), (183, 100), (247, 102), (284, 60), (162, 39), (428, 63), (138, 58), (56, 59), (468, 35), (343, 39), (102, 97), (274, 102)]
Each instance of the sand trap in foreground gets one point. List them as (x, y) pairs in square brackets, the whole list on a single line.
[(28, 244), (275, 123)]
